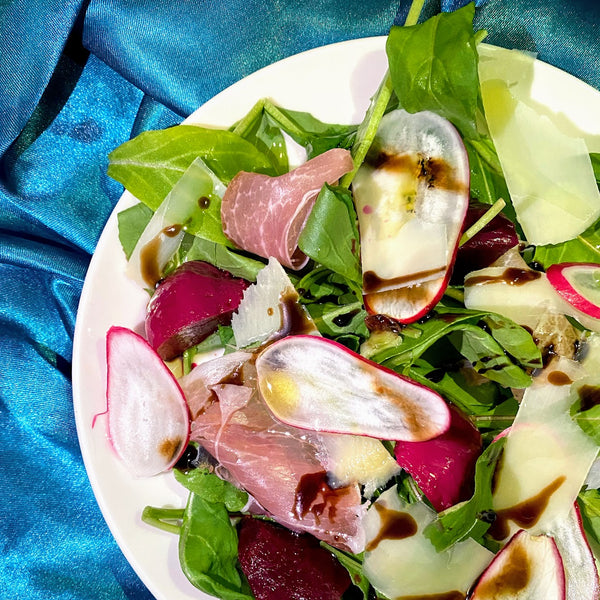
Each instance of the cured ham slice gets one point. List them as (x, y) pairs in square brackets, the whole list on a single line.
[(279, 465), (265, 215)]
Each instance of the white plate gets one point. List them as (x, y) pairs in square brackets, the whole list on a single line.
[(335, 84)]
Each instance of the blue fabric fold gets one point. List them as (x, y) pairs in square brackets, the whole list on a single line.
[(78, 78)]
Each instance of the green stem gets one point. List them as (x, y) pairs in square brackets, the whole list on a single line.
[(492, 420), (368, 128), (161, 518), (414, 12), (244, 124), (455, 294), (485, 219), (480, 35)]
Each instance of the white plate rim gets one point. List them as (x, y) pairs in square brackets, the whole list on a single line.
[(152, 553)]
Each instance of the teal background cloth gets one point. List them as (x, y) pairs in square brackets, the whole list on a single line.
[(78, 78)]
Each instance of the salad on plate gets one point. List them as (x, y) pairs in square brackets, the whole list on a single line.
[(370, 352)]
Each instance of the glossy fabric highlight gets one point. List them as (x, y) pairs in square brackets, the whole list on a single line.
[(76, 80)]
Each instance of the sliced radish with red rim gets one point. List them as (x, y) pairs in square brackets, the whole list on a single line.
[(527, 567), (314, 383), (148, 420), (411, 195), (578, 284)]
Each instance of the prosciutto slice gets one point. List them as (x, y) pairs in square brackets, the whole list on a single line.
[(265, 215), (278, 465)]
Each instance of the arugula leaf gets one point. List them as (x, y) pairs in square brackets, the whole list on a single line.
[(433, 66), (208, 550), (473, 517), (589, 504), (491, 408), (150, 164), (487, 183), (586, 409), (264, 133), (132, 221), (333, 320), (315, 135), (515, 340), (488, 357), (330, 236), (406, 349)]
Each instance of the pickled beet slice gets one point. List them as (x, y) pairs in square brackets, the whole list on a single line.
[(444, 467), (486, 246), (281, 564), (189, 305)]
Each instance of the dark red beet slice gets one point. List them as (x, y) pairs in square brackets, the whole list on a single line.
[(189, 305), (281, 564), (444, 466), (485, 247)]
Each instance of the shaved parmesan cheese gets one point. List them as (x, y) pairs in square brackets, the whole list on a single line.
[(163, 234), (549, 173), (358, 459), (260, 316), (411, 566), (546, 458)]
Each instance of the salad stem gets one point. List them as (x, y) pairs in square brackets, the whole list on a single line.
[(455, 294), (493, 211), (414, 12), (161, 518), (379, 103)]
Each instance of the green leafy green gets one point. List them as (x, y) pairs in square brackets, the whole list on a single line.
[(150, 164), (501, 355), (488, 357), (491, 407), (584, 248), (222, 257), (132, 221), (212, 488), (515, 340), (208, 550), (589, 504), (433, 66), (595, 158), (311, 133), (353, 564), (470, 519), (330, 236), (586, 408), (262, 131)]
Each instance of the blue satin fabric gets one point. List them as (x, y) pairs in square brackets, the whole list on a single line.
[(77, 79)]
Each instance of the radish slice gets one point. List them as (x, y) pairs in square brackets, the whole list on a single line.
[(148, 420), (581, 572), (444, 466), (401, 562), (579, 285), (314, 383), (527, 567), (411, 197)]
